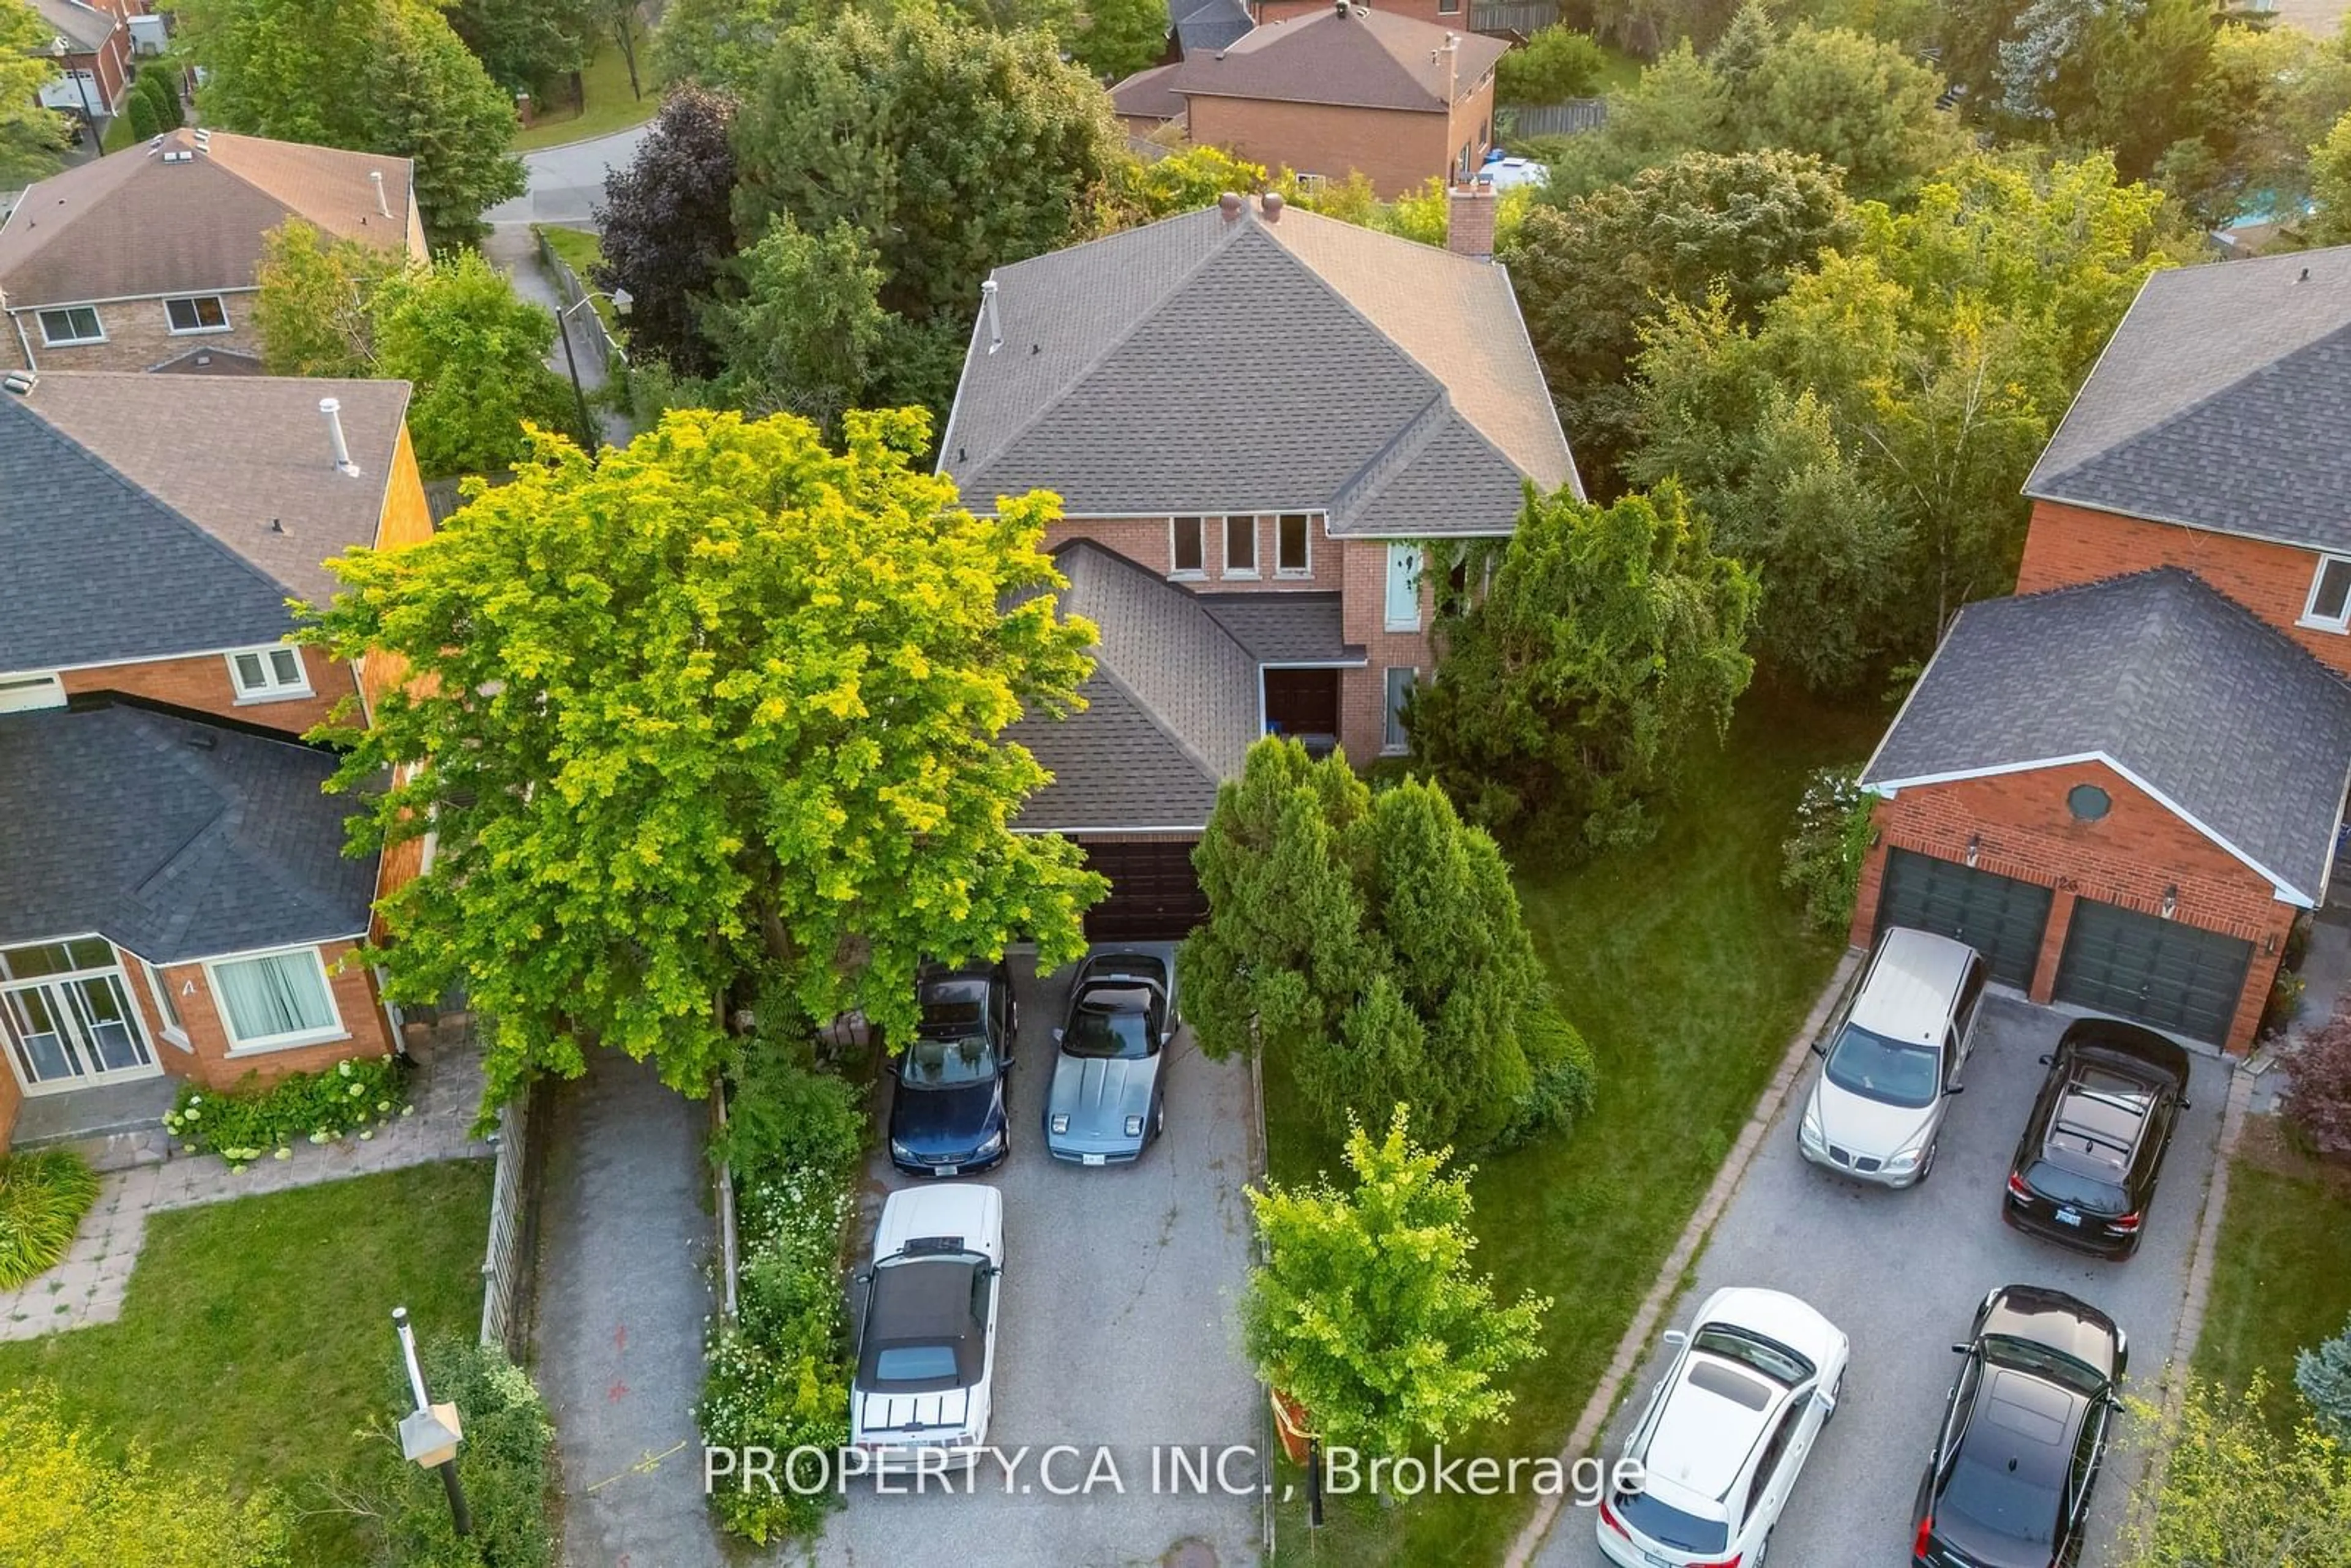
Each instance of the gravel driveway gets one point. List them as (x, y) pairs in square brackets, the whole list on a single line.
[(1901, 1272), (1119, 1328)]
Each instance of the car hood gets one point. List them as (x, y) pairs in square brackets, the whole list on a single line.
[(1098, 1094), (950, 1120), (885, 1417), (1866, 1126)]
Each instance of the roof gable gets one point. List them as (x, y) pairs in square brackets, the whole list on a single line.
[(1210, 25), (1364, 59), (2218, 403)]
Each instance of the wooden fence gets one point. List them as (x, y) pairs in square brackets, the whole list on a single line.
[(1523, 17), (1572, 117), (506, 1266)]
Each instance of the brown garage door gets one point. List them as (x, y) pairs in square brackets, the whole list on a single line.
[(1154, 894)]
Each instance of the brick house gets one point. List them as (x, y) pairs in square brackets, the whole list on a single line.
[(1266, 428), (1334, 91), (2126, 783), (173, 897), (95, 66), (147, 260)]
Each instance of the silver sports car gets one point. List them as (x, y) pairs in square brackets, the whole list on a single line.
[(1108, 1080)]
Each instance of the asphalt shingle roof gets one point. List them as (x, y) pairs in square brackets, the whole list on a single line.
[(1204, 363), (176, 838), (1172, 706), (1286, 627), (84, 26), (136, 511), (1149, 94), (1364, 59), (2165, 678), (1207, 25), (2219, 403)]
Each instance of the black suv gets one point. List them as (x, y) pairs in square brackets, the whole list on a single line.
[(947, 1116), (2092, 1148), (2024, 1431)]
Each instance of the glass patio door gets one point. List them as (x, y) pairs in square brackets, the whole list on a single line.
[(74, 1028)]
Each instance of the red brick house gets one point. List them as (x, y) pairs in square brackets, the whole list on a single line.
[(1267, 429), (2126, 783), (95, 65), (174, 896)]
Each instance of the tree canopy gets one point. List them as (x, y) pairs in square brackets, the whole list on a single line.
[(2231, 1490), (668, 227), (801, 331), (716, 722), (31, 133), (524, 43)]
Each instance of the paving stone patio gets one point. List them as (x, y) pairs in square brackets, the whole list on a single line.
[(87, 1287)]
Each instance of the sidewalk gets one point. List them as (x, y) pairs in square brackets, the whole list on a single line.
[(623, 1301), (513, 249)]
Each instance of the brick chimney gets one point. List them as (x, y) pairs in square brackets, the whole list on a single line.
[(1469, 219)]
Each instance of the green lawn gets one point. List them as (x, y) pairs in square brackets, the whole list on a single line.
[(256, 1335), (1622, 72), (604, 86), (1687, 968), (581, 250), (2281, 1281)]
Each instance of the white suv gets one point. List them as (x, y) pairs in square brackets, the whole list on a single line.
[(1893, 1061), (1726, 1434)]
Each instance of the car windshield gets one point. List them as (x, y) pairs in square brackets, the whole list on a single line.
[(943, 1061), (2075, 1190), (2051, 1364), (1773, 1360), (1868, 1064), (1669, 1526), (1114, 1024), (1999, 1501)]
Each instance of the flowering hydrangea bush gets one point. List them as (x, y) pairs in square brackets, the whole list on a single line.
[(245, 1123)]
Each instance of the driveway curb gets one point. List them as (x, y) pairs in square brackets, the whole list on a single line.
[(1629, 1349)]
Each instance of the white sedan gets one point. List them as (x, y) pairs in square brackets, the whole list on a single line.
[(926, 1342), (1725, 1435)]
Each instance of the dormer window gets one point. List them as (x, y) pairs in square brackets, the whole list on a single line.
[(2329, 606)]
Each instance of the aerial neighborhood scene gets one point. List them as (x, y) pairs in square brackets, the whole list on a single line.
[(1175, 783)]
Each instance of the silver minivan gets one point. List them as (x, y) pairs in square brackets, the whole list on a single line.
[(1892, 1060)]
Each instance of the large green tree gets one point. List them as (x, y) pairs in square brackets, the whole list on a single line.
[(1591, 271), (1373, 944), (719, 45), (1119, 38), (802, 329), (31, 134), (315, 310), (381, 76), (1611, 639), (2267, 97), (953, 149), (2224, 1487), (1365, 1310), (476, 352), (524, 43), (717, 720), (2330, 186)]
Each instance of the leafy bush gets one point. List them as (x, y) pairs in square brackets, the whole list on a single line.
[(244, 1124), (42, 1199), (2324, 1376), (2318, 1098), (159, 85), (1556, 63), (1823, 855), (73, 1499), (141, 115), (506, 1465), (1566, 1075), (784, 1116), (2232, 1490)]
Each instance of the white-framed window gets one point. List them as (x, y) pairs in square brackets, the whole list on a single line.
[(1400, 681), (73, 324), (1240, 545), (2329, 605), (268, 674), (22, 693), (1403, 588), (1293, 546), (1188, 546), (272, 1001), (197, 313), (166, 1005)]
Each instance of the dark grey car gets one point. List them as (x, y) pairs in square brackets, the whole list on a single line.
[(1108, 1097)]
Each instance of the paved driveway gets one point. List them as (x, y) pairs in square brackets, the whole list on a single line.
[(1118, 1328), (1902, 1272), (567, 182)]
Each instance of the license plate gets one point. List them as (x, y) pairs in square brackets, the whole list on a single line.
[(1657, 1561), (946, 1170), (2069, 1217), (1091, 1159)]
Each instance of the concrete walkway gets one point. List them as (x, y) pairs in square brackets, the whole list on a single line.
[(87, 1287), (513, 249), (623, 1301)]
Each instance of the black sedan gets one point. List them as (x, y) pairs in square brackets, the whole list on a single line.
[(2093, 1149), (947, 1116), (2025, 1432)]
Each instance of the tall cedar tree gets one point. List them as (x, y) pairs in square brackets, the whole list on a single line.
[(668, 229), (720, 719), (1611, 640)]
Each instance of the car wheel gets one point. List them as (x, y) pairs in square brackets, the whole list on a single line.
[(1762, 1550), (1836, 1397), (1159, 1120), (1929, 1168)]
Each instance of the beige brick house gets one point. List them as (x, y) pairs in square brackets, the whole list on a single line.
[(1271, 433), (146, 259)]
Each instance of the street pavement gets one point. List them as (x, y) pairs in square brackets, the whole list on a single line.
[(568, 182)]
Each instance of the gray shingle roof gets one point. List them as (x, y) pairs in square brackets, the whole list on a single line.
[(2170, 680), (120, 820), (1207, 25), (1286, 628), (1204, 365), (2219, 402), (1172, 704), (1364, 59), (138, 509), (1149, 94)]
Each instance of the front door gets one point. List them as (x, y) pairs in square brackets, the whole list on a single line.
[(75, 1026)]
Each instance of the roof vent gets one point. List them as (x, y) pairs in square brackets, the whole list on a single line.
[(1231, 205), (333, 408), (988, 313), (1342, 10), (1272, 204), (19, 381), (201, 739), (375, 177), (203, 139), (178, 155)]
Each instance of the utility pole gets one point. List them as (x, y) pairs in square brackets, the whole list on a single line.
[(430, 1434)]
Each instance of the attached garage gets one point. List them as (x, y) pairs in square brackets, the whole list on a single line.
[(1999, 916), (1155, 893), (2160, 973)]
